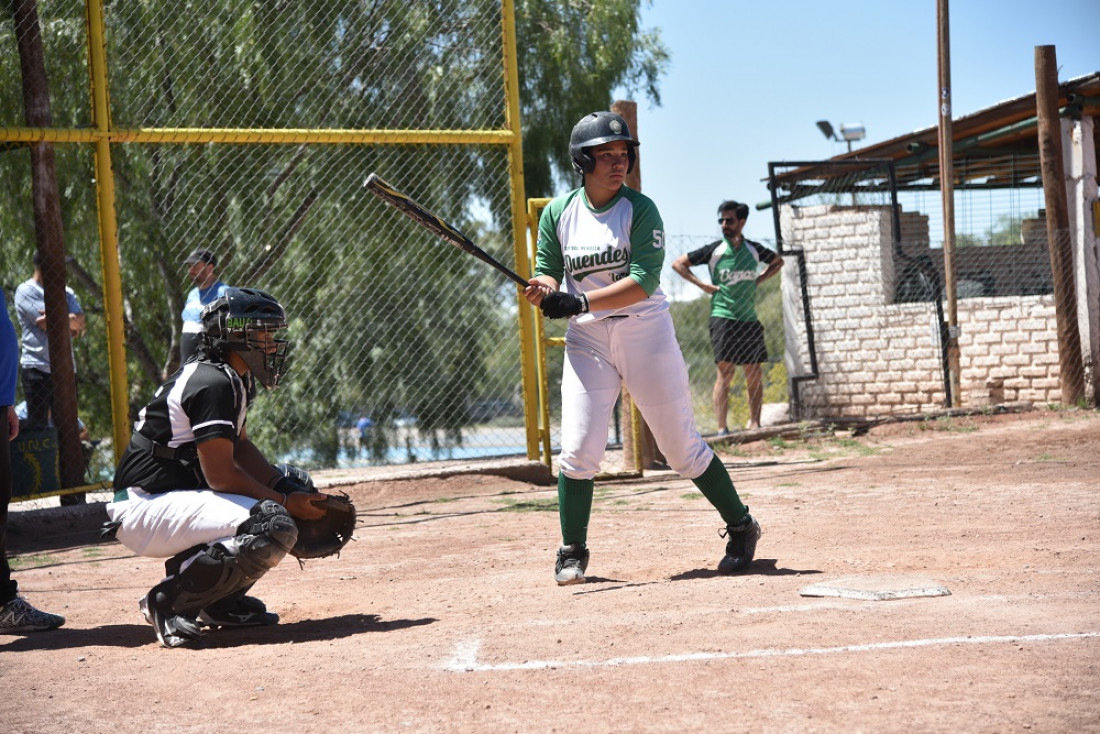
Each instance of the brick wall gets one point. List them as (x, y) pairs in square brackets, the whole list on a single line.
[(877, 357)]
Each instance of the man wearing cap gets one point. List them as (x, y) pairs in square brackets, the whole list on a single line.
[(200, 268)]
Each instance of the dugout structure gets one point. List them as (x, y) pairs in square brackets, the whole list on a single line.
[(248, 129), (864, 304)]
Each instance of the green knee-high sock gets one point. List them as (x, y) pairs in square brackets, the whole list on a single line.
[(574, 508), (716, 486)]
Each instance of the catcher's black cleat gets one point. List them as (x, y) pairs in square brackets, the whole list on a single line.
[(571, 565), (741, 546), (173, 630), (238, 611)]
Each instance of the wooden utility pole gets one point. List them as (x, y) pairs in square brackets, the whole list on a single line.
[(1070, 361), (50, 243), (629, 111), (947, 191)]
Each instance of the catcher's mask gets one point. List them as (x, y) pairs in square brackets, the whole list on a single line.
[(248, 321), (595, 129)]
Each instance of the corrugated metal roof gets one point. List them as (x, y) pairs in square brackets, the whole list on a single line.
[(997, 147)]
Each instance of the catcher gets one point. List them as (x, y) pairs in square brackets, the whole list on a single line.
[(201, 494)]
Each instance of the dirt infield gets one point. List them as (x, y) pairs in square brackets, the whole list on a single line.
[(443, 616)]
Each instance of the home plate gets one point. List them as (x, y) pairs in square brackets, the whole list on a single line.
[(877, 587)]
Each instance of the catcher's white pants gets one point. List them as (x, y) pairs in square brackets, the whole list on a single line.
[(162, 525), (642, 353)]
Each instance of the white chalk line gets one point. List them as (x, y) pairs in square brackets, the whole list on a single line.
[(465, 657)]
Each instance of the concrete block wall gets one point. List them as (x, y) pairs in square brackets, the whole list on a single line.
[(876, 357), (1008, 350)]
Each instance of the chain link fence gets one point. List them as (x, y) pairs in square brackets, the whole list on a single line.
[(247, 129)]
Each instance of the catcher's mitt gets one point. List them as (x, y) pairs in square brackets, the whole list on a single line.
[(327, 535)]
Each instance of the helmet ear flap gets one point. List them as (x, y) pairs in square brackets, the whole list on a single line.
[(584, 163)]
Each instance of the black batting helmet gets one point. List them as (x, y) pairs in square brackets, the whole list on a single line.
[(595, 129), (235, 323)]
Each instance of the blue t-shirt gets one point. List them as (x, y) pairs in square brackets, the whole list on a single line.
[(9, 362), (197, 298)]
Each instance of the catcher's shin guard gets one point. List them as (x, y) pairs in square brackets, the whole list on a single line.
[(215, 572)]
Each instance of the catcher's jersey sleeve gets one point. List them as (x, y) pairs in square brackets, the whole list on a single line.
[(585, 248), (203, 400)]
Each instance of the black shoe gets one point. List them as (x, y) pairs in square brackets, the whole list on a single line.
[(238, 611), (571, 565), (173, 630), (741, 546)]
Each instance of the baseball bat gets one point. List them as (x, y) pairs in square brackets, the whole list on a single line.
[(431, 222)]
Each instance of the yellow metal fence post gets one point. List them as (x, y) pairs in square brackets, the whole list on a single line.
[(108, 229)]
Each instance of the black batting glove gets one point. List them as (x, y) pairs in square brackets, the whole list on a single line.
[(288, 485), (558, 305)]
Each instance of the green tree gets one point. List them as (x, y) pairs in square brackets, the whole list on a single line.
[(572, 55)]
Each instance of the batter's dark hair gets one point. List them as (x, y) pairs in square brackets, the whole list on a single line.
[(741, 210)]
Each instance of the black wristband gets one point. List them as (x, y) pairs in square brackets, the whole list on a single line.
[(584, 303), (286, 485)]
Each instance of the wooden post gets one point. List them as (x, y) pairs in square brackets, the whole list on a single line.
[(1071, 367), (947, 192), (649, 452), (50, 243)]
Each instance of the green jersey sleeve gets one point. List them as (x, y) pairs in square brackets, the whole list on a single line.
[(549, 259), (647, 242)]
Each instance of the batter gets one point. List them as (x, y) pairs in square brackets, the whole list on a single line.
[(598, 263)]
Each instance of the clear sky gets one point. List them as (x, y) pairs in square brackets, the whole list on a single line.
[(749, 79)]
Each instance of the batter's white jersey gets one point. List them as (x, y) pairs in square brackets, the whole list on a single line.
[(585, 249)]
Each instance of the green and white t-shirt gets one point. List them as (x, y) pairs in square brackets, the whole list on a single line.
[(734, 269), (585, 248)]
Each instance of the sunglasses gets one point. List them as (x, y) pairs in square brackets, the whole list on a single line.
[(731, 220)]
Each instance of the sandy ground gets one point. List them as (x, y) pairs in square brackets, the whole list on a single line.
[(443, 615)]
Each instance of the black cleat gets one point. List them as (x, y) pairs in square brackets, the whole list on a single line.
[(571, 565), (741, 546), (173, 630), (238, 611)]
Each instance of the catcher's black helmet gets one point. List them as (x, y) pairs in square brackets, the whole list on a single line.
[(595, 129), (245, 320)]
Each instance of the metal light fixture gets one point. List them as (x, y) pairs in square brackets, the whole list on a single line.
[(848, 132)]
